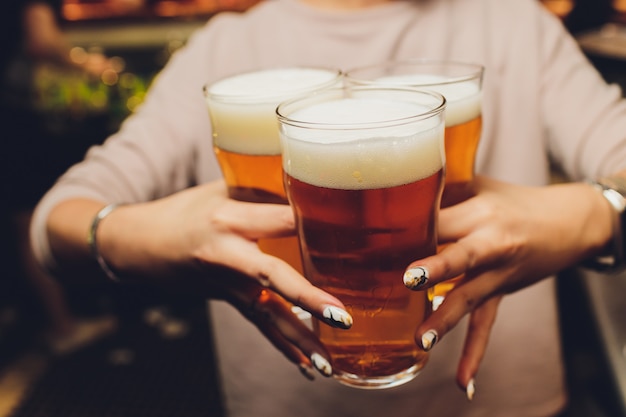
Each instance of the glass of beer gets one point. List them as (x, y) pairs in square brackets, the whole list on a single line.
[(364, 172), (245, 136), (461, 84)]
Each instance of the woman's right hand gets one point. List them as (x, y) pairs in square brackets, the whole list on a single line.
[(275, 318), (200, 241)]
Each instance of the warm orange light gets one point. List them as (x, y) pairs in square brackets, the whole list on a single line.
[(103, 9), (620, 6), (561, 8)]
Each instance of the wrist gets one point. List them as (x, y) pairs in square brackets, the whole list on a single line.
[(94, 241), (613, 259), (132, 247)]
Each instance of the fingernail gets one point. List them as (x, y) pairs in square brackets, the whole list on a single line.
[(429, 339), (307, 371), (470, 390), (321, 364), (415, 278), (337, 317)]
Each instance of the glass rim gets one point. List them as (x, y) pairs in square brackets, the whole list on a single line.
[(343, 92), (476, 71), (257, 98)]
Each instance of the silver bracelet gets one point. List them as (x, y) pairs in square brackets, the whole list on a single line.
[(93, 242), (613, 190)]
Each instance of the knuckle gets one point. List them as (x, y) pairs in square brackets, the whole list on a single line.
[(269, 269), (485, 210), (445, 266), (468, 253), (219, 220), (513, 246), (286, 218), (464, 299)]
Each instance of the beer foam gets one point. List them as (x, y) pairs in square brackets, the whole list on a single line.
[(271, 84), (242, 107), (463, 98), (352, 157)]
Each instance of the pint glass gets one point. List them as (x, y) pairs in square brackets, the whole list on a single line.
[(245, 136), (364, 170), (461, 84)]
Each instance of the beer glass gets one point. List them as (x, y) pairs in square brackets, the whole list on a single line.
[(364, 171), (461, 84), (245, 136)]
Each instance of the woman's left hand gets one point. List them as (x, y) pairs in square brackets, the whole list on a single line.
[(505, 238)]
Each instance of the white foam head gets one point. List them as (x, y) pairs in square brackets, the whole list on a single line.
[(464, 98), (242, 107), (362, 143)]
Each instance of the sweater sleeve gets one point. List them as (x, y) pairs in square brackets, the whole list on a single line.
[(585, 118), (165, 146)]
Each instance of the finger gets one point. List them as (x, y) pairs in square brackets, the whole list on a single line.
[(461, 219), (253, 220), (454, 260), (463, 299), (481, 322), (290, 334), (274, 317), (456, 221), (245, 256)]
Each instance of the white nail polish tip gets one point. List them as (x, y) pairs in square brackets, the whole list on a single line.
[(470, 390), (337, 317), (415, 277), (429, 339), (321, 364)]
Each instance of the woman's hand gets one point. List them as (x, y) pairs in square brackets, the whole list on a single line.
[(505, 238), (200, 241)]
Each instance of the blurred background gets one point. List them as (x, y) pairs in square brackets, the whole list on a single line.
[(137, 346)]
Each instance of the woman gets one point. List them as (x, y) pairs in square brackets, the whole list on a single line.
[(543, 102)]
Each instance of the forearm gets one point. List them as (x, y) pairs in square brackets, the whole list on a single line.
[(126, 240)]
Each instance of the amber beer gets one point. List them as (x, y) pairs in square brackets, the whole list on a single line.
[(463, 130), (364, 175), (245, 136), (461, 84)]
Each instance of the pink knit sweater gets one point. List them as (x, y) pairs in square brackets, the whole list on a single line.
[(542, 101)]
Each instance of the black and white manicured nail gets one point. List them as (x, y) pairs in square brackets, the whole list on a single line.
[(321, 364), (337, 317), (470, 390), (429, 338), (415, 278)]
